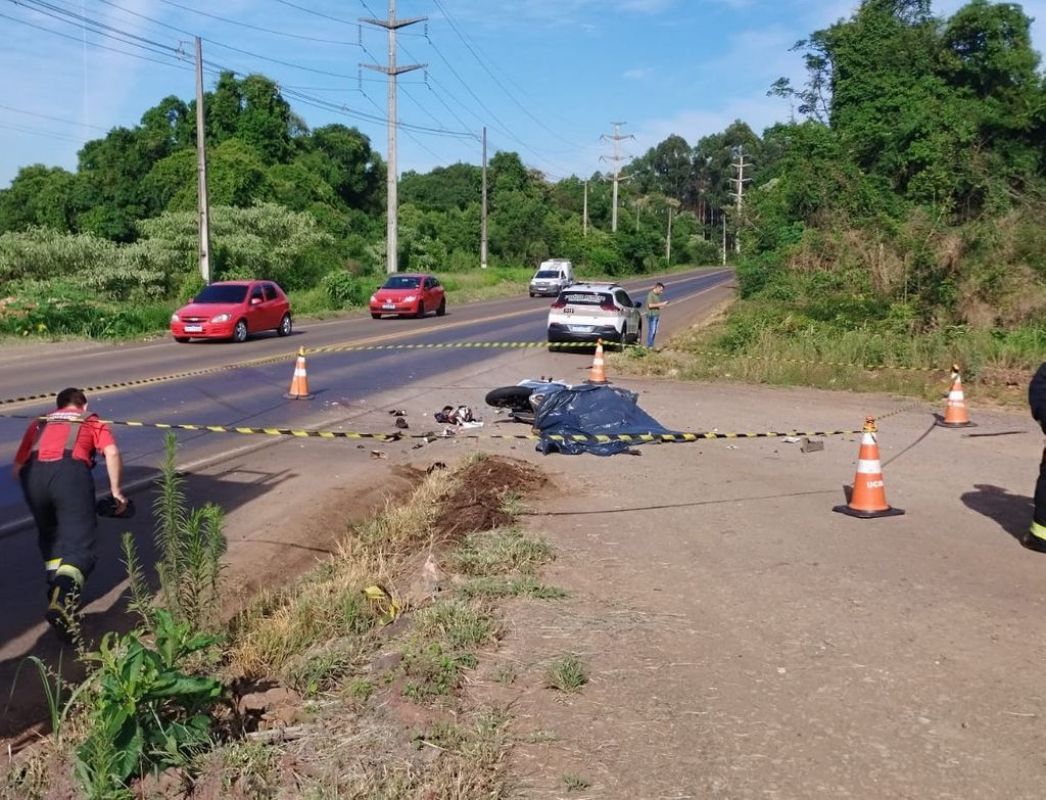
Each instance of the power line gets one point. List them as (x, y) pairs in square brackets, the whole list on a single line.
[(258, 28), (512, 97), (96, 45), (62, 137), (316, 13), (52, 119), (225, 46)]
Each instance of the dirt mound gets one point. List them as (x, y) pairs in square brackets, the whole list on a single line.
[(478, 502)]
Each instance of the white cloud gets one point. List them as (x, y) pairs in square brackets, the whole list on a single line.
[(637, 73)]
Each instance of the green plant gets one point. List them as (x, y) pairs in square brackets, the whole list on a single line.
[(191, 544), (502, 550), (54, 686), (145, 711), (575, 783), (567, 674)]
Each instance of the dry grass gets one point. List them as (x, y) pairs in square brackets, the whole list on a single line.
[(324, 620)]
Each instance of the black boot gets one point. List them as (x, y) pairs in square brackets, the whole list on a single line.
[(63, 608)]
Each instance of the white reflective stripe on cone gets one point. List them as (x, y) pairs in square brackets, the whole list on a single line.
[(869, 467)]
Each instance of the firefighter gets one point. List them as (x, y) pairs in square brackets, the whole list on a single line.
[(1036, 537), (53, 465)]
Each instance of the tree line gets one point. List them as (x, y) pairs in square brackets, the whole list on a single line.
[(910, 176)]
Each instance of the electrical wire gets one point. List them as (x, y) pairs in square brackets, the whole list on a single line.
[(52, 119), (96, 45), (258, 28), (62, 137), (508, 94)]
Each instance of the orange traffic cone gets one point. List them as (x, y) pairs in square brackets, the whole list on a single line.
[(868, 498), (598, 372), (300, 382), (956, 414)]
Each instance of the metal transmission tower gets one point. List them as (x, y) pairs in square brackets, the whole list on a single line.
[(739, 193), (202, 204), (392, 71), (615, 138)]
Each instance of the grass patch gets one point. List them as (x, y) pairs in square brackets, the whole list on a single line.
[(575, 783), (443, 643), (499, 587), (499, 551), (566, 674), (760, 341)]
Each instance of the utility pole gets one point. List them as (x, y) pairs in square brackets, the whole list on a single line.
[(722, 220), (584, 213), (739, 193), (202, 205), (483, 222), (615, 138), (392, 71), (668, 237)]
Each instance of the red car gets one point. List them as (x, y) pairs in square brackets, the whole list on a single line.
[(408, 294), (233, 310)]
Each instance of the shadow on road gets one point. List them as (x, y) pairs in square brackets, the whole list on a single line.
[(1013, 512), (23, 589)]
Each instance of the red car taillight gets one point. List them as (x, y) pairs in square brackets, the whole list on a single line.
[(559, 304), (608, 305)]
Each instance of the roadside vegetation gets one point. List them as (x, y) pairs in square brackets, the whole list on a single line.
[(346, 683), (894, 221), (896, 230)]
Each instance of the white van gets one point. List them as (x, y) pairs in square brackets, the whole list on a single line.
[(552, 277)]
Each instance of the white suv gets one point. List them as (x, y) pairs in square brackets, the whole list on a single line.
[(586, 312)]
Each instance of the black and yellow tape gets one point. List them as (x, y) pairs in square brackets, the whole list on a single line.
[(637, 438), (174, 376)]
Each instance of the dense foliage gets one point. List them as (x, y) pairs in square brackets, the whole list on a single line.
[(909, 192)]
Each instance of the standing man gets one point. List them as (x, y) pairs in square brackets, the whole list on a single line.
[(54, 465), (654, 304), (1036, 536)]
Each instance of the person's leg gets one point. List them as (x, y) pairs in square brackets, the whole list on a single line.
[(34, 479), (1036, 538), (651, 332), (72, 492)]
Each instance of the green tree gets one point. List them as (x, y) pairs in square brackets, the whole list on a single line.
[(39, 196)]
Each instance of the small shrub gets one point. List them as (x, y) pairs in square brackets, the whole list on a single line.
[(567, 674), (345, 289)]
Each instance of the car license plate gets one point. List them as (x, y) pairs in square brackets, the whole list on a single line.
[(581, 329), (194, 328)]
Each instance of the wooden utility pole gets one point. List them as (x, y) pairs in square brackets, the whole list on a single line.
[(202, 205), (615, 138), (392, 71), (483, 221)]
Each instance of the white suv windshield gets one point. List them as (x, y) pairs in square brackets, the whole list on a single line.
[(547, 273)]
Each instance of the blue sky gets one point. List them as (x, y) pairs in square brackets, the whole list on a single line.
[(547, 77)]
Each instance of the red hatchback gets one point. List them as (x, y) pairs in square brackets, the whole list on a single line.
[(408, 294), (233, 310)]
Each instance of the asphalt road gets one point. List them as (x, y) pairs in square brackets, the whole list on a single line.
[(252, 395), (285, 498)]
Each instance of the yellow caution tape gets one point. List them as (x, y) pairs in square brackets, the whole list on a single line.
[(637, 438)]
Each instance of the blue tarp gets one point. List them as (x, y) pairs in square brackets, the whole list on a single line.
[(591, 409)]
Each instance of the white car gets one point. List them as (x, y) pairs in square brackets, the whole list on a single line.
[(586, 312), (552, 277)]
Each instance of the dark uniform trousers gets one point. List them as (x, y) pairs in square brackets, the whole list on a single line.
[(60, 495), (1036, 538)]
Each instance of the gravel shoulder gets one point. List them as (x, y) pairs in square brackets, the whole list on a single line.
[(743, 641)]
